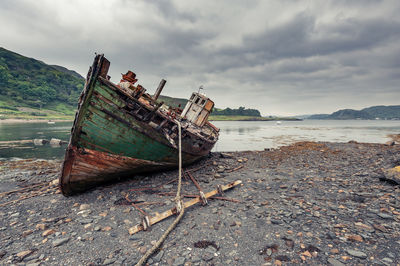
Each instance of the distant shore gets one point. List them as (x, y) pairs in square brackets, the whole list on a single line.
[(20, 121), (249, 118), (212, 118)]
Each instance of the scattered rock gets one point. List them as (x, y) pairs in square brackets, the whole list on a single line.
[(57, 142), (356, 253), (385, 216), (54, 183), (27, 232), (388, 260), (84, 207), (109, 261), (380, 227), (207, 256), (60, 241), (143, 250), (179, 261), (392, 174), (85, 220), (106, 228), (158, 256), (48, 232), (334, 262), (40, 142), (355, 238), (322, 194), (23, 254)]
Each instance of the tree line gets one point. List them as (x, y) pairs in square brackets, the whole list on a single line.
[(241, 111)]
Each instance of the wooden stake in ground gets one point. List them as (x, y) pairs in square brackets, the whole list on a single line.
[(168, 213)]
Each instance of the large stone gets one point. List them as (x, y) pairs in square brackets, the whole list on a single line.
[(23, 254), (393, 174), (207, 256), (385, 215), (158, 257), (84, 207), (334, 262), (85, 220), (356, 253), (41, 226), (60, 241), (109, 261), (179, 261), (26, 233), (56, 142), (39, 142), (48, 232)]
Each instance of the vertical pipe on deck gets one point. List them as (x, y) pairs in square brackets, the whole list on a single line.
[(159, 89)]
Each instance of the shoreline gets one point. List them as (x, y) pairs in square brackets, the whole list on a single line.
[(315, 203), (26, 121)]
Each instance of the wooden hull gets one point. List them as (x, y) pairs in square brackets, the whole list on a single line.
[(115, 135)]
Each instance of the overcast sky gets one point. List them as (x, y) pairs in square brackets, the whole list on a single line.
[(282, 57)]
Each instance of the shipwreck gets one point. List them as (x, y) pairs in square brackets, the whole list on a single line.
[(120, 130)]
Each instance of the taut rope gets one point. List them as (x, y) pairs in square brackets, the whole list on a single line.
[(180, 208)]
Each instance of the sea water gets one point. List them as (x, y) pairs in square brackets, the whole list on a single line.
[(234, 135)]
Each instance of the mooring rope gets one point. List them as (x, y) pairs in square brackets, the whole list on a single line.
[(180, 208)]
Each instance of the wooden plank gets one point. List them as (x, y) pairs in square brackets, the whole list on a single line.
[(170, 212)]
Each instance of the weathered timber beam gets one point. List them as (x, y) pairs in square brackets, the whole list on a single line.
[(170, 212)]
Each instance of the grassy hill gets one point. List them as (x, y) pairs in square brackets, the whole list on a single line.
[(29, 84), (173, 102), (380, 112), (383, 112)]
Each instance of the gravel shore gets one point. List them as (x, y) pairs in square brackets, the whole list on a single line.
[(310, 203)]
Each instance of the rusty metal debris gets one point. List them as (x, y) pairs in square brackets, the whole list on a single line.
[(31, 191), (135, 206), (201, 193)]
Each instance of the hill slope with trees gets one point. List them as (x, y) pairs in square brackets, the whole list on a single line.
[(374, 112), (26, 82)]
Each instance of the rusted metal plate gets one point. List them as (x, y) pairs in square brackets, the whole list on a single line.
[(209, 105)]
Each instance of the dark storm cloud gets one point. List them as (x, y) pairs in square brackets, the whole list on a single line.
[(301, 38), (282, 57)]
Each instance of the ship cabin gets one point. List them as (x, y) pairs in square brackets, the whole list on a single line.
[(197, 109)]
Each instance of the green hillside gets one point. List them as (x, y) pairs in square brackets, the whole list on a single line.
[(350, 114), (384, 112), (173, 102), (374, 112), (26, 82)]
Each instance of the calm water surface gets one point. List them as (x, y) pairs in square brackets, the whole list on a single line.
[(234, 135), (237, 135), (30, 131)]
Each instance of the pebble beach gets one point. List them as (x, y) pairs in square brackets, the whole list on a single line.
[(311, 203)]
